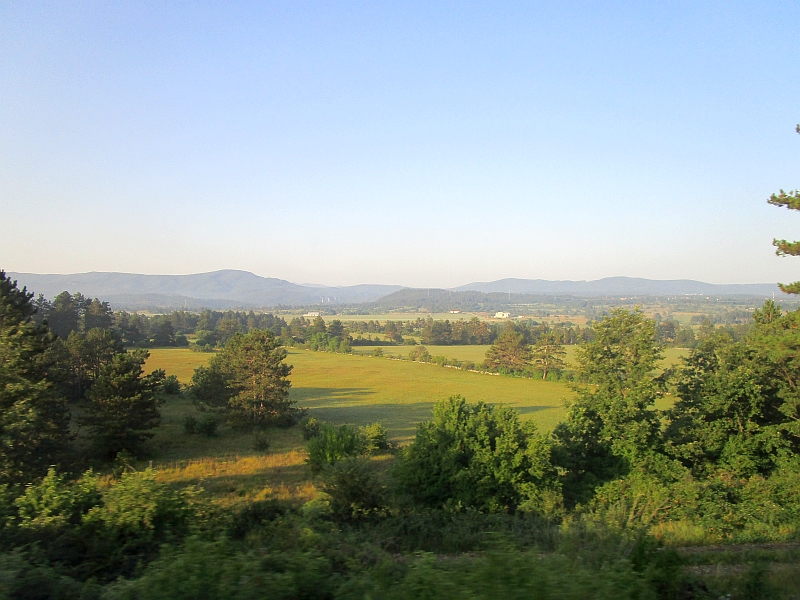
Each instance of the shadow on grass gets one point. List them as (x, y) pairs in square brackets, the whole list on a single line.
[(352, 405), (400, 419), (526, 410), (311, 397)]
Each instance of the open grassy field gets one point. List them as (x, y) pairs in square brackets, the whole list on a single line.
[(475, 354), (359, 389), (180, 362)]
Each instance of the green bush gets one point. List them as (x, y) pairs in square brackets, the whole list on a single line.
[(261, 442), (355, 491), (20, 579), (219, 570), (100, 531), (376, 438), (310, 428), (333, 444), (171, 385), (190, 425), (54, 503), (504, 574), (208, 426), (478, 456), (254, 516)]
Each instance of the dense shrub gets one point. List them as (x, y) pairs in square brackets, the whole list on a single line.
[(171, 385), (98, 530), (355, 491), (510, 575), (477, 456), (190, 424), (220, 570), (376, 438), (310, 428), (333, 444)]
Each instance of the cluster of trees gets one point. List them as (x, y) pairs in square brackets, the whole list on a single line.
[(41, 374), (532, 352), (45, 377), (71, 313), (474, 331)]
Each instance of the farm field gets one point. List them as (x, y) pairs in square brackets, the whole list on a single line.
[(359, 389)]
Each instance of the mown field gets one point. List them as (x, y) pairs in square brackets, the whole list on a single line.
[(361, 389)]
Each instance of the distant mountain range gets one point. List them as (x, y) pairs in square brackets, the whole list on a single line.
[(631, 286), (218, 289), (241, 289)]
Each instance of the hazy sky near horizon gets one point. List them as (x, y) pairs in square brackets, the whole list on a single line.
[(413, 143)]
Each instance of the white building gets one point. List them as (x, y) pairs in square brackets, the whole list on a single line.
[(312, 313), (502, 315)]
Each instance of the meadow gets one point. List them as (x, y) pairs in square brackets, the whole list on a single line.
[(360, 389), (334, 387)]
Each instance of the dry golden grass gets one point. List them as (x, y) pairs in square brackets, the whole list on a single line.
[(234, 479), (180, 362)]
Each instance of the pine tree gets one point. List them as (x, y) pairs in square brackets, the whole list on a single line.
[(510, 351), (249, 380), (790, 200), (122, 405), (97, 315), (34, 420)]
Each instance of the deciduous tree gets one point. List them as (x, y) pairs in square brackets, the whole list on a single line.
[(612, 424), (548, 353)]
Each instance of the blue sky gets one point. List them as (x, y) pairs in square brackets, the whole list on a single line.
[(424, 144)]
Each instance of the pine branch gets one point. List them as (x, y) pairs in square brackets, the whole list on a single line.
[(785, 248), (790, 288), (790, 200)]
